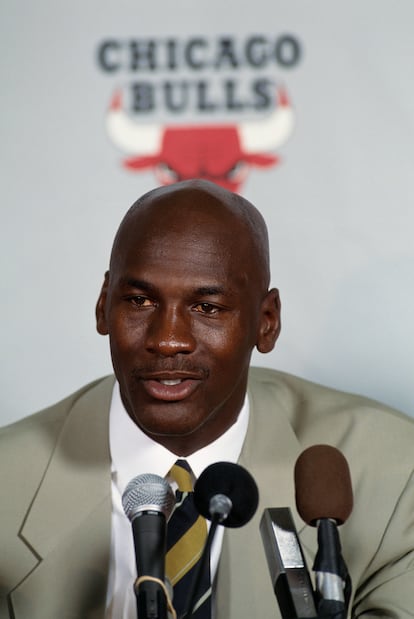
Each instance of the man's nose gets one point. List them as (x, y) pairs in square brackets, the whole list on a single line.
[(170, 333)]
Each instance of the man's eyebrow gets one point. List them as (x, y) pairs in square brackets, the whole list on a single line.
[(209, 290), (141, 284)]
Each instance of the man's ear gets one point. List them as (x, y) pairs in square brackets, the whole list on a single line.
[(100, 311), (269, 325)]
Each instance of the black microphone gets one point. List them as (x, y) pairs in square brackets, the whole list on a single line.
[(287, 566), (225, 493), (148, 501), (324, 499)]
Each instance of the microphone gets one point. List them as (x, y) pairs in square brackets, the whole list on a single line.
[(324, 499), (287, 566), (148, 501), (224, 493)]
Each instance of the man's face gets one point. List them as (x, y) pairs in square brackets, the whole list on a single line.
[(183, 314)]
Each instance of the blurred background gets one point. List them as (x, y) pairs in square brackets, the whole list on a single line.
[(306, 109)]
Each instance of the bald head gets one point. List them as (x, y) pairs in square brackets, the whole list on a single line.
[(203, 208)]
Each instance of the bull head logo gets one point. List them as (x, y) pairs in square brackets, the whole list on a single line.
[(222, 154)]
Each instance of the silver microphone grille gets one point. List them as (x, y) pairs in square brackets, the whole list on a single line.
[(148, 492)]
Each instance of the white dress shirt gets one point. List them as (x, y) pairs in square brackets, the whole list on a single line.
[(134, 453)]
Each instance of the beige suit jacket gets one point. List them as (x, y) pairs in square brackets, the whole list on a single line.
[(56, 506)]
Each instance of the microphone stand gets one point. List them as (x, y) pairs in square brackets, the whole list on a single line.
[(332, 577)]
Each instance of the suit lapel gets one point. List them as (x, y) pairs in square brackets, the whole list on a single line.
[(68, 524), (269, 453)]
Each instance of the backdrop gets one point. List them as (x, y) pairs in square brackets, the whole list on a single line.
[(306, 108)]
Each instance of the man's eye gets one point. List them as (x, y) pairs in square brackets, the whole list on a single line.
[(140, 301), (206, 308)]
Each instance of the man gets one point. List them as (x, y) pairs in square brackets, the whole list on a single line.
[(185, 301)]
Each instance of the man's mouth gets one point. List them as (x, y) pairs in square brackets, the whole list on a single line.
[(170, 389)]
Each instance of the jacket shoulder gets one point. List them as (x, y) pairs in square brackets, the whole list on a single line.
[(27, 445), (317, 412), (50, 416)]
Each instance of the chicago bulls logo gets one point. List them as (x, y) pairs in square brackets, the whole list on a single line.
[(221, 153)]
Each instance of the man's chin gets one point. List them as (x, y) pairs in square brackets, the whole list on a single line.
[(157, 427), (157, 432)]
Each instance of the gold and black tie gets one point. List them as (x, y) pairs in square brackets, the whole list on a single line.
[(186, 536)]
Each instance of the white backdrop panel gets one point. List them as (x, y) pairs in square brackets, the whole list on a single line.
[(339, 205)]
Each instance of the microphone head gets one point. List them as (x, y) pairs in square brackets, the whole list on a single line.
[(148, 492), (235, 483), (323, 485)]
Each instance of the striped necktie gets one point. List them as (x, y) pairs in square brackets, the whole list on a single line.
[(186, 536)]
